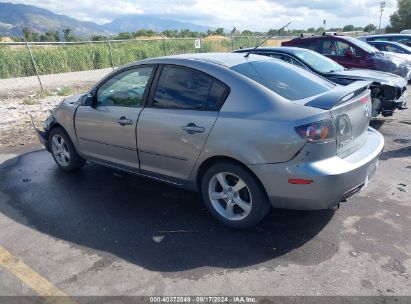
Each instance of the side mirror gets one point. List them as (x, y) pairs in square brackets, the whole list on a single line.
[(87, 100)]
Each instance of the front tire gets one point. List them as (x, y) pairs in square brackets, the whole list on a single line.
[(63, 151), (234, 196)]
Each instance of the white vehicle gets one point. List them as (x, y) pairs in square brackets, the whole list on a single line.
[(405, 32)]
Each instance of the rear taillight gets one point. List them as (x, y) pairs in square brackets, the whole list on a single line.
[(318, 131)]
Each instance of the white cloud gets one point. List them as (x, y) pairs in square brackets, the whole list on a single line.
[(244, 14)]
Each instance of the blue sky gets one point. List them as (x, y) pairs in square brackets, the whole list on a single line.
[(258, 15)]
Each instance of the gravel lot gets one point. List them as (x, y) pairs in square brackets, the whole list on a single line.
[(22, 97), (101, 232)]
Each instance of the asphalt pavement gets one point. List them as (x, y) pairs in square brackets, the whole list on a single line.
[(104, 232)]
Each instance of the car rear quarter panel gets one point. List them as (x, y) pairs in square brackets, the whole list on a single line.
[(256, 126)]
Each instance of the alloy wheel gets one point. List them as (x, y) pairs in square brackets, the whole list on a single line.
[(60, 150), (230, 196)]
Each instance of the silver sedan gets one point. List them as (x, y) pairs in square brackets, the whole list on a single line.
[(247, 132)]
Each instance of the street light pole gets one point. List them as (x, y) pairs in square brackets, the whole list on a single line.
[(382, 6)]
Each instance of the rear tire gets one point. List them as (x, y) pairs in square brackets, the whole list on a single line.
[(234, 196), (63, 151)]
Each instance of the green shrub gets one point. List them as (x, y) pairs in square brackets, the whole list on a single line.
[(50, 59)]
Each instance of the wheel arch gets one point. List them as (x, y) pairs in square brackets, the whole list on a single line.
[(219, 159), (52, 126)]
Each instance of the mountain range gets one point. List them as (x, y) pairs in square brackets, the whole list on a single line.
[(14, 17)]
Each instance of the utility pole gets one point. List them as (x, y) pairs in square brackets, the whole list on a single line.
[(382, 6)]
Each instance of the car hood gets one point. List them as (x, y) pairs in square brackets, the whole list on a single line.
[(398, 58), (72, 99), (370, 75)]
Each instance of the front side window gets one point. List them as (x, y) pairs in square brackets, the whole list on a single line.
[(339, 48), (183, 88), (393, 49), (329, 47), (125, 89), (284, 79)]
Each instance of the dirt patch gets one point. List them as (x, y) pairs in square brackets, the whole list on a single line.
[(21, 98), (17, 109)]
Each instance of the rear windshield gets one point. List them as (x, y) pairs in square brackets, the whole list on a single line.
[(290, 82)]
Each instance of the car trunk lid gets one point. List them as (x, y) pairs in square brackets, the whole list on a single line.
[(352, 102)]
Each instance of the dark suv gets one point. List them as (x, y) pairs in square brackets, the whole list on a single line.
[(353, 53)]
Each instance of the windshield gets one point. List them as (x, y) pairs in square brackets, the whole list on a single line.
[(364, 45), (290, 82), (318, 62)]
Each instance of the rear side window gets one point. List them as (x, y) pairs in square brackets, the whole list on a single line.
[(284, 79), (309, 44), (183, 88)]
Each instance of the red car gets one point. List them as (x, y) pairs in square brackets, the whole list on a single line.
[(352, 53)]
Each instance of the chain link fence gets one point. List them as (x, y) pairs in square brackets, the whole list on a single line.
[(61, 57)]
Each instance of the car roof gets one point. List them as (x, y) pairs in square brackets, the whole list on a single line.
[(388, 35), (282, 49), (384, 42), (222, 59), (323, 37)]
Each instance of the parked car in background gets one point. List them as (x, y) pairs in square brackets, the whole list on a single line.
[(353, 53), (389, 46), (387, 90), (247, 132), (400, 38), (396, 50), (405, 32)]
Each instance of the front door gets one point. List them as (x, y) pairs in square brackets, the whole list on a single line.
[(345, 54), (173, 128), (106, 131)]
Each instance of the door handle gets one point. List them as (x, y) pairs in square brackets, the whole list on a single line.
[(192, 128), (123, 121)]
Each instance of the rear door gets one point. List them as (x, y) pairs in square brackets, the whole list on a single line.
[(106, 131), (172, 129)]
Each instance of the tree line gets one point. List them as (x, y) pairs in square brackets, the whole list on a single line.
[(66, 34), (49, 36)]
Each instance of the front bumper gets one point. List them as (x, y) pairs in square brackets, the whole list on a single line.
[(40, 135), (404, 72), (334, 179), (389, 106)]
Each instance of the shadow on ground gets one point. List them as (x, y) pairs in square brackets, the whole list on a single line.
[(398, 153), (377, 123), (150, 224)]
